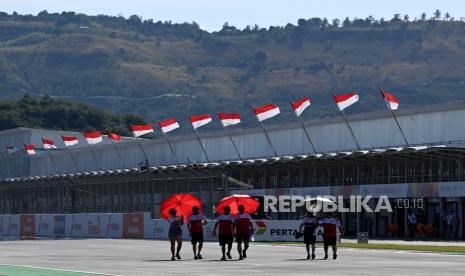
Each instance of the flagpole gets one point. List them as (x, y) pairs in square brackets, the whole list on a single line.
[(201, 145), (73, 159), (143, 151), (232, 141), (395, 119), (53, 160), (32, 164), (99, 165), (268, 138), (13, 160), (6, 169), (171, 148), (350, 129), (305, 130), (266, 134), (117, 153)]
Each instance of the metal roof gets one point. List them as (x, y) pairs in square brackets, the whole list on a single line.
[(381, 152)]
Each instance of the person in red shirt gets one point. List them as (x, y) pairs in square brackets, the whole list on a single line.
[(226, 232), (330, 226), (244, 229), (195, 226)]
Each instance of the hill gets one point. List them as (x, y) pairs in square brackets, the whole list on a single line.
[(50, 113), (160, 69)]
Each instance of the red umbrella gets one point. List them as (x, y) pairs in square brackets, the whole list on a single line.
[(182, 203), (250, 204)]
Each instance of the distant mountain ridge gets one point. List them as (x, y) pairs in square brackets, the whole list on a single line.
[(160, 70)]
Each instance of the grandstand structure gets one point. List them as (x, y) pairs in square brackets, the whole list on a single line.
[(429, 170)]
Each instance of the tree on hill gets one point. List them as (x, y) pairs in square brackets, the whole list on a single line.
[(49, 113)]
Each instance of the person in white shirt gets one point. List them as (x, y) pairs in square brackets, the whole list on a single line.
[(308, 227), (175, 233)]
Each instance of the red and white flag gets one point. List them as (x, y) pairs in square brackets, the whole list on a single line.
[(11, 149), (114, 137), (30, 149), (93, 137), (300, 106), (229, 119), (48, 144), (139, 130), (168, 125), (200, 120), (346, 100), (391, 101), (70, 140), (266, 111)]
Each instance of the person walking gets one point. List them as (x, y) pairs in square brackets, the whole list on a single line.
[(330, 226), (308, 227), (412, 224), (225, 225), (244, 229), (175, 233), (195, 225)]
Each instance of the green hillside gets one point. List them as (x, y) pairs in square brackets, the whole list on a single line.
[(159, 69), (49, 113)]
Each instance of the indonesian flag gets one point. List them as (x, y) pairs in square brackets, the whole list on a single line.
[(30, 149), (70, 140), (266, 112), (391, 101), (11, 149), (48, 144), (346, 100), (93, 137), (168, 125), (229, 119), (200, 120), (114, 137), (300, 106), (139, 130)]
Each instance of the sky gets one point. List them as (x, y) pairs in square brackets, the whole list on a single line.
[(212, 14)]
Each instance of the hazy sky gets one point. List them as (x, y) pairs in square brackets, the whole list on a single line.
[(211, 14)]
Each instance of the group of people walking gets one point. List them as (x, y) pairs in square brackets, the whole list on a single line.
[(227, 227)]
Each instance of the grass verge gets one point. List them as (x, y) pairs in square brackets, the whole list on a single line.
[(405, 247)]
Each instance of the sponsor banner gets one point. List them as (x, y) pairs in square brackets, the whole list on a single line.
[(27, 226), (11, 225), (84, 225), (114, 225), (390, 190), (280, 230), (44, 225), (254, 192), (265, 230), (424, 189), (133, 226), (3, 225), (59, 225), (310, 191), (451, 189)]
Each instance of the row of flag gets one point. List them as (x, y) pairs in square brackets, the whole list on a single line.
[(227, 119)]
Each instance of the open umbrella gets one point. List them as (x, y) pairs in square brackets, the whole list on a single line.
[(250, 204), (182, 203)]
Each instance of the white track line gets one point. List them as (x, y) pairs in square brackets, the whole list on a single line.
[(63, 270)]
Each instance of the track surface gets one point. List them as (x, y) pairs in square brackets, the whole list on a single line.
[(149, 257)]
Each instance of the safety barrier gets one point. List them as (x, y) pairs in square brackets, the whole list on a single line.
[(125, 225)]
